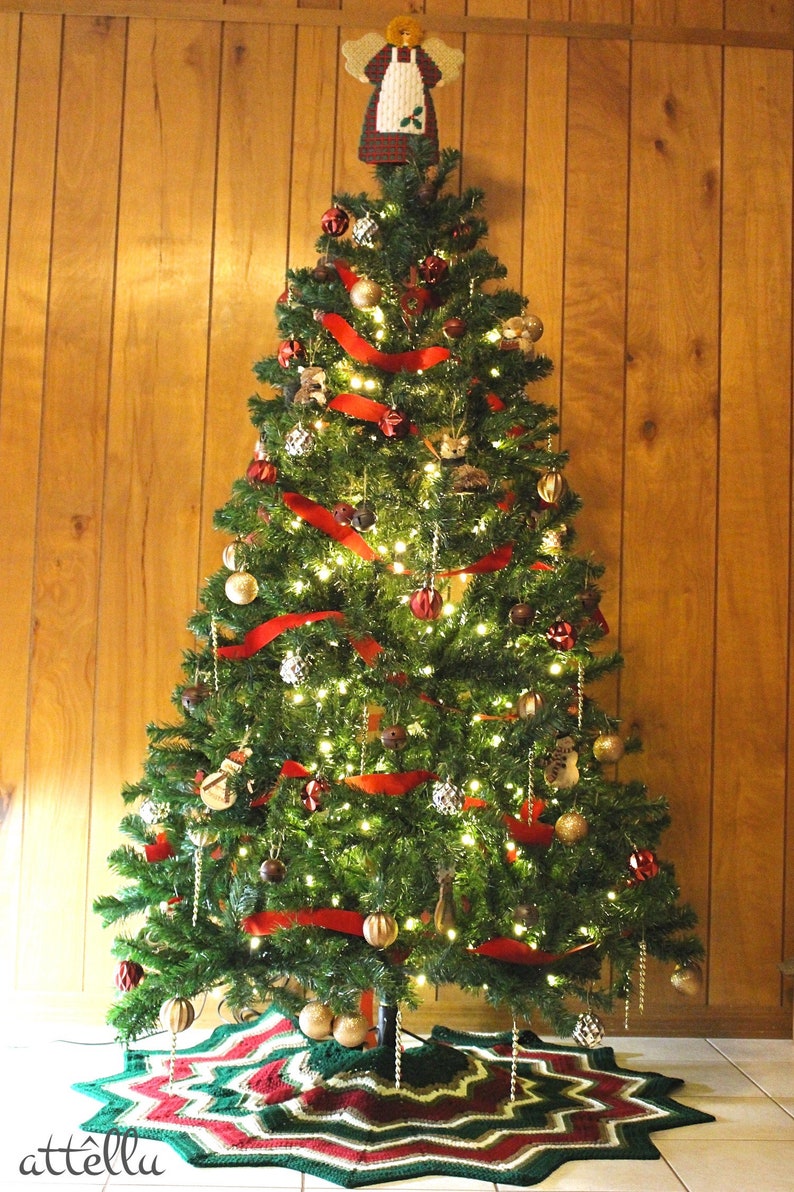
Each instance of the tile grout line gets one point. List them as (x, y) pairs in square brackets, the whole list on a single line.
[(746, 1075)]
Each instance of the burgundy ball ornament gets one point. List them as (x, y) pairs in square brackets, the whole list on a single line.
[(394, 424), (426, 192), (290, 349), (643, 865), (273, 870), (195, 695), (343, 513), (522, 614), (335, 221), (322, 271), (394, 737), (425, 604), (433, 270), (561, 635), (128, 974), (363, 518), (454, 328)]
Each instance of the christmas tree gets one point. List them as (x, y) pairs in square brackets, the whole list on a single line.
[(387, 766)]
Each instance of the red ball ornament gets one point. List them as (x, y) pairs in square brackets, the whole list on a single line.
[(128, 974), (464, 235), (433, 270), (643, 864), (290, 349), (395, 424), (312, 794), (342, 513), (261, 471), (335, 221), (425, 604), (561, 635)]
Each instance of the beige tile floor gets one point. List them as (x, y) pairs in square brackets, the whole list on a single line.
[(747, 1084)]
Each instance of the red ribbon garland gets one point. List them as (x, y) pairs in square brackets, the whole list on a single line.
[(363, 407), (516, 952), (522, 831), (268, 631), (160, 850), (322, 519), (290, 769), (365, 353), (390, 784), (494, 561), (266, 922)]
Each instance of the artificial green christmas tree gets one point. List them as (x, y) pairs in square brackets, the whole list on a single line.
[(387, 767)]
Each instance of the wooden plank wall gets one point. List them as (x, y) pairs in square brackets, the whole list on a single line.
[(161, 165)]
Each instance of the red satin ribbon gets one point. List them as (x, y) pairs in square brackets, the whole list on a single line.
[(290, 769), (522, 831), (390, 784), (268, 631), (495, 561), (362, 407), (160, 850), (365, 353), (517, 952), (346, 275), (266, 922), (322, 519)]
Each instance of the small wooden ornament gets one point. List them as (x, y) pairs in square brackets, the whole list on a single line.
[(380, 930), (177, 1014)]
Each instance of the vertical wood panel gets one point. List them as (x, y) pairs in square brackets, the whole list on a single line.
[(251, 224), (21, 396), (318, 66), (156, 420), (693, 14), (544, 200), (755, 440), (769, 16), (448, 99), (549, 10), (667, 606), (607, 12), (57, 827), (494, 135), (10, 763), (595, 300)]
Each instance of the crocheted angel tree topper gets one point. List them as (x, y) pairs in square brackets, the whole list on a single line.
[(404, 73)]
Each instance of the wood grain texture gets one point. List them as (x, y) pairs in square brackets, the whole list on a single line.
[(594, 350), (751, 721), (157, 392), (252, 203), (608, 12), (156, 176), (22, 387), (667, 602), (58, 824)]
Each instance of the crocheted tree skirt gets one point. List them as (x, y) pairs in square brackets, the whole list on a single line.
[(260, 1094)]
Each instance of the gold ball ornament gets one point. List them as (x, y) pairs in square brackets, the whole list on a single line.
[(350, 1029), (608, 747), (529, 705), (365, 294), (688, 979), (241, 587), (202, 836), (551, 486), (315, 1020), (533, 327), (380, 930), (177, 1014), (571, 827)]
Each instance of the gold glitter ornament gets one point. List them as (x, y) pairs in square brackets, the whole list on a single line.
[(241, 587), (571, 827)]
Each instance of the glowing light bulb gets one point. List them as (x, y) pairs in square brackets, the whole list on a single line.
[(242, 852), (553, 979), (400, 548), (255, 943), (356, 382), (611, 896), (365, 825), (325, 746), (495, 372), (448, 610), (321, 694), (298, 586), (556, 668), (494, 335), (324, 573), (431, 469), (398, 568), (378, 315), (474, 785), (452, 934), (342, 687), (496, 740), (370, 384), (421, 979), (410, 924), (467, 839), (309, 879), (297, 697), (482, 629)]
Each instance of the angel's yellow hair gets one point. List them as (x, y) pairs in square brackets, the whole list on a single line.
[(404, 31)]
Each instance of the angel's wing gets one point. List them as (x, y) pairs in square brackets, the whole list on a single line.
[(447, 58), (358, 53)]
